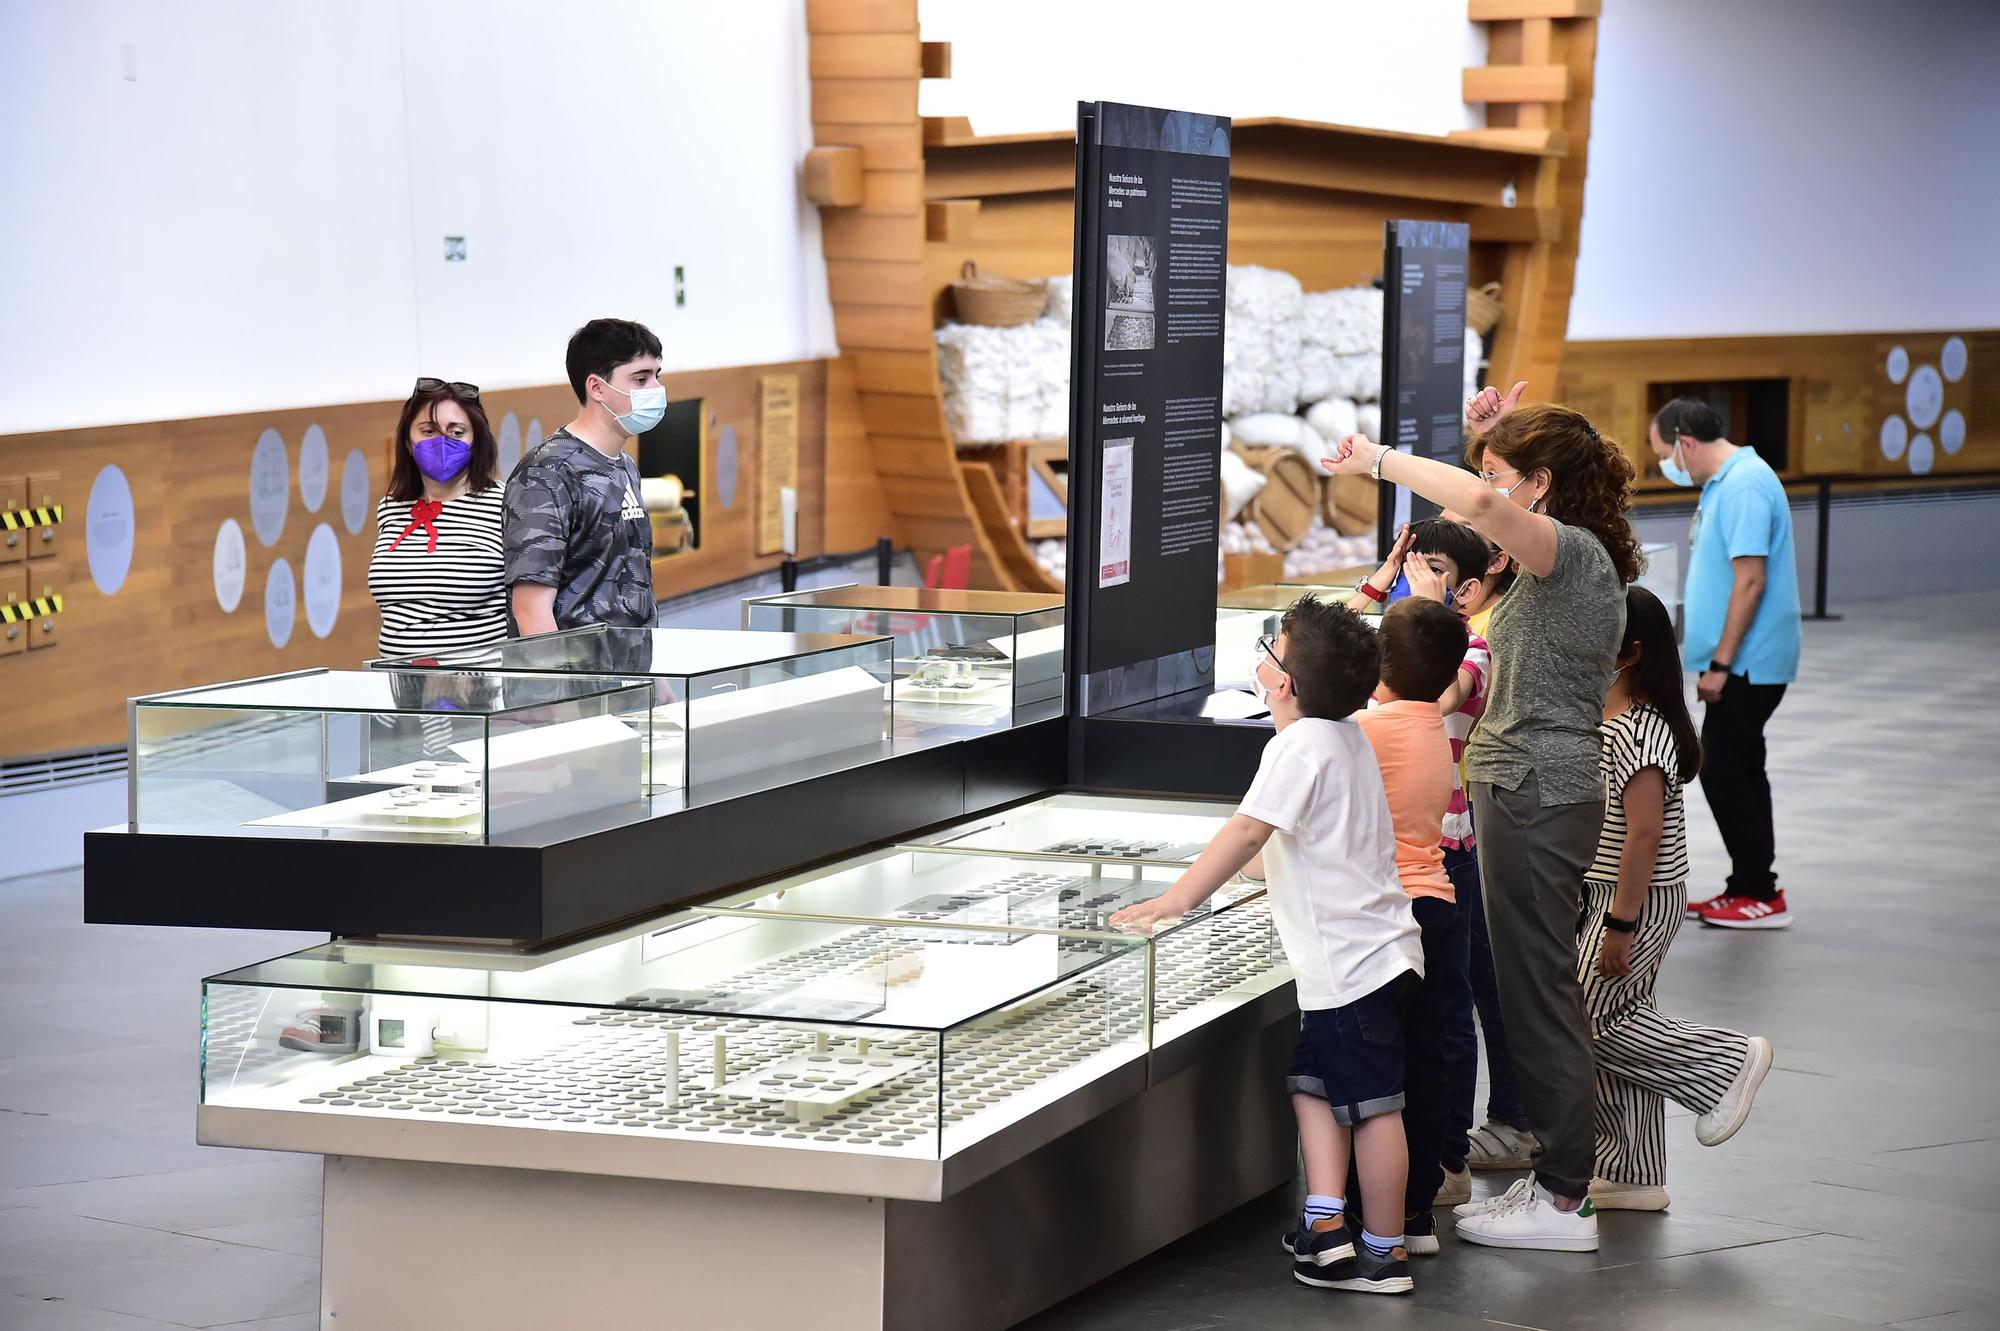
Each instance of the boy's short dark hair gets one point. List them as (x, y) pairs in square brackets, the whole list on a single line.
[(1688, 416), (1423, 645), (1332, 656), (602, 345), (1465, 548)]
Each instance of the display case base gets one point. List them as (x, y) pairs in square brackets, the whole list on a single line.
[(410, 1243)]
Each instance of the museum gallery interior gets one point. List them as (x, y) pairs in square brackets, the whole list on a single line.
[(875, 664)]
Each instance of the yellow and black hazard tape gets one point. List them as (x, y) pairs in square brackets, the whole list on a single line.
[(24, 518), (39, 607)]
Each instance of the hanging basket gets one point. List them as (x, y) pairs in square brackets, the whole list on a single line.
[(997, 302), (1483, 308)]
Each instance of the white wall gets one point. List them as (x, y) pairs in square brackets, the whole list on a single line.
[(1022, 66), (256, 219), (1791, 166)]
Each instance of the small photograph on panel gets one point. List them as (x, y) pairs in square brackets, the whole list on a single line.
[(1128, 315)]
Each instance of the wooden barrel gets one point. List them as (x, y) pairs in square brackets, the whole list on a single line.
[(1349, 504), (1283, 510)]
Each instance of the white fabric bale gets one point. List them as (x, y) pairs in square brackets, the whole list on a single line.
[(1357, 375), (1267, 429), (1475, 347), (1261, 341), (1334, 419), (1240, 484), (1005, 383), (1368, 420), (1058, 307)]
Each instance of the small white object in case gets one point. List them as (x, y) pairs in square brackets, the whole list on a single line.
[(400, 1032)]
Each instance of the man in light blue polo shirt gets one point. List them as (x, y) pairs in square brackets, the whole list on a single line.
[(1742, 612)]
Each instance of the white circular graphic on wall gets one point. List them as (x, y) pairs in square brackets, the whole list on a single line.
[(354, 492), (110, 524), (510, 442), (270, 486), (1924, 398), (229, 565), (1899, 364), (1895, 437), (1921, 455), (1952, 359), (725, 466), (281, 606), (534, 435), (322, 578), (1951, 431), (313, 467)]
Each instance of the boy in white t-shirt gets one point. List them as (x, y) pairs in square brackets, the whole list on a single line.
[(1317, 818)]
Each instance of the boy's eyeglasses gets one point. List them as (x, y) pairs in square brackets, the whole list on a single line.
[(1267, 645), (426, 384)]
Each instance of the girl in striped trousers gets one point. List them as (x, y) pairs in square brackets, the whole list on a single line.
[(1635, 898)]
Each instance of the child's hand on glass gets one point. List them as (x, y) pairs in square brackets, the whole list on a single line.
[(1147, 916)]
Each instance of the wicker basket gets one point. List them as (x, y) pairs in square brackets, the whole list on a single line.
[(997, 302), (1283, 509), (1483, 308)]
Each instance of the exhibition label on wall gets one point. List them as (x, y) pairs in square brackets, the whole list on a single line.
[(1152, 237), (1424, 266)]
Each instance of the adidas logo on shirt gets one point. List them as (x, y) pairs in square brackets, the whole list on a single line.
[(632, 507)]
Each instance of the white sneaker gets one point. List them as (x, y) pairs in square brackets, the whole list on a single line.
[(1612, 1196), (1532, 1222), (1489, 1204), (1719, 1124), (1457, 1188), (1500, 1146)]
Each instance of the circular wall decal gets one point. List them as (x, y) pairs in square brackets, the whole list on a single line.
[(322, 578), (534, 435), (1921, 455), (229, 565), (1895, 437), (1952, 359), (1899, 364), (1924, 398), (725, 467), (354, 492), (110, 524), (281, 604), (313, 468), (1951, 431), (270, 486), (510, 443)]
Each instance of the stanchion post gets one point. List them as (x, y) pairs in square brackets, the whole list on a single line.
[(1824, 527), (885, 561)]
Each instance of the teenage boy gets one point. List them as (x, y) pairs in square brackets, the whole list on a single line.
[(1317, 816), (1423, 645), (579, 543)]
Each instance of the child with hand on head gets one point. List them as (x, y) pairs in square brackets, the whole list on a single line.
[(1317, 814)]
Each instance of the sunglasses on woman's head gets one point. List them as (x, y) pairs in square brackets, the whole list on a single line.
[(426, 384)]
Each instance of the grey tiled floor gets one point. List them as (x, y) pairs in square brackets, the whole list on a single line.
[(1862, 1192)]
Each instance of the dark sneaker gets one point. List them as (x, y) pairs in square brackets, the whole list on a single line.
[(1420, 1235), (1367, 1272), (1321, 1243)]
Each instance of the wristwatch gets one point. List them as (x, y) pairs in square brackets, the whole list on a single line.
[(1714, 666), (1618, 926), (1375, 467)]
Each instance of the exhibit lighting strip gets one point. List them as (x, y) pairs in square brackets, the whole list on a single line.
[(1000, 853), (925, 926)]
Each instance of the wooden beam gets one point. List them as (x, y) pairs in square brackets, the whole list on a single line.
[(1532, 225), (911, 372), (1499, 11), (883, 328), (1516, 83), (937, 60), (875, 282), (883, 147), (825, 16), (890, 193), (950, 221), (850, 234), (1516, 140), (893, 415), (863, 55), (944, 131), (833, 176), (864, 101)]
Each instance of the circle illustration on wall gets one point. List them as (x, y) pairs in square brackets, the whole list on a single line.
[(1953, 358), (270, 486), (322, 578), (534, 437), (1899, 364), (1924, 398), (313, 468), (229, 565), (725, 467), (1951, 431), (110, 524), (1895, 437), (1921, 455), (354, 492), (510, 442), (281, 604)]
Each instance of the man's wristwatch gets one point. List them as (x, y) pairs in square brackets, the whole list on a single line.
[(1717, 667), (1618, 926)]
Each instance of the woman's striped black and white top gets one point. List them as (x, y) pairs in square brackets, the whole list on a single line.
[(443, 600), (1627, 745)]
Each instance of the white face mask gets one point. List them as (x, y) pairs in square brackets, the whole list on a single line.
[(1674, 469), (649, 408)]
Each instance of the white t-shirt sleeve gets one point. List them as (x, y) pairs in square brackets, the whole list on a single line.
[(1283, 788)]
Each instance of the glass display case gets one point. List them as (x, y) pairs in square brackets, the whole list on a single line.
[(976, 660), (387, 755), (727, 705), (1247, 613)]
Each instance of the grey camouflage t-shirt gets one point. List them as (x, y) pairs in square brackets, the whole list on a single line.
[(1555, 643), (574, 522)]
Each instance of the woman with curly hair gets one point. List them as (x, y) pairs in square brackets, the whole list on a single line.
[(1552, 493)]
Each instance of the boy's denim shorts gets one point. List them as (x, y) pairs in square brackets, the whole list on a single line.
[(1352, 1056)]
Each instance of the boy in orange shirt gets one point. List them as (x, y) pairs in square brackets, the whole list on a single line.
[(1423, 645)]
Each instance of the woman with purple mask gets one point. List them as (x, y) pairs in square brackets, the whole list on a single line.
[(439, 562)]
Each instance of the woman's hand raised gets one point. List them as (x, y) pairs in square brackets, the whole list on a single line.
[(1487, 406)]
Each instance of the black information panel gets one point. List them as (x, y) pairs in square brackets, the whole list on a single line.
[(1423, 353), (1152, 236)]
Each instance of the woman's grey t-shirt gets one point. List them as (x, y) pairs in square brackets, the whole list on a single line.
[(1555, 643)]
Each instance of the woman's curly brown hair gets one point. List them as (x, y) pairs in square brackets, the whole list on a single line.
[(1590, 478)]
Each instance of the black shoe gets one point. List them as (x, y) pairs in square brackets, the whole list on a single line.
[(1365, 1273), (1420, 1235), (1320, 1244)]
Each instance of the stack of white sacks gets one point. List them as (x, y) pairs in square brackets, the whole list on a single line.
[(1008, 383)]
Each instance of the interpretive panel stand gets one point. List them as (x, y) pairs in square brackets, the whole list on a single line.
[(1423, 352)]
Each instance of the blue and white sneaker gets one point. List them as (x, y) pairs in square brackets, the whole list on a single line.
[(1367, 1272), (1321, 1243)]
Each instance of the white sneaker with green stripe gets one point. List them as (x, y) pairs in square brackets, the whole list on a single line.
[(1530, 1219)]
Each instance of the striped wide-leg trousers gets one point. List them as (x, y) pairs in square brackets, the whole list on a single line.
[(1644, 1057)]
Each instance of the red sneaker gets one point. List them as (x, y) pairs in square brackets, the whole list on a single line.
[(1748, 913), (1696, 909)]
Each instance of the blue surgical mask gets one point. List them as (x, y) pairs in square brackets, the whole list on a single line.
[(1673, 470), (1401, 591), (649, 408)]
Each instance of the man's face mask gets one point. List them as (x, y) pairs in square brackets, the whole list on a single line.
[(1673, 468)]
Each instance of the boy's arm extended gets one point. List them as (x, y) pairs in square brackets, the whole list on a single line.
[(1241, 839)]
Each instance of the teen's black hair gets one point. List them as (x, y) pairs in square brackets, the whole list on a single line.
[(1467, 550), (1655, 678), (1423, 645), (405, 480), (1333, 657), (602, 345), (1688, 416)]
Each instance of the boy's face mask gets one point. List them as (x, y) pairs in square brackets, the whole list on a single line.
[(1401, 591)]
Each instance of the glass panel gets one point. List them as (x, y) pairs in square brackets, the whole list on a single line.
[(1090, 827), (1210, 963)]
